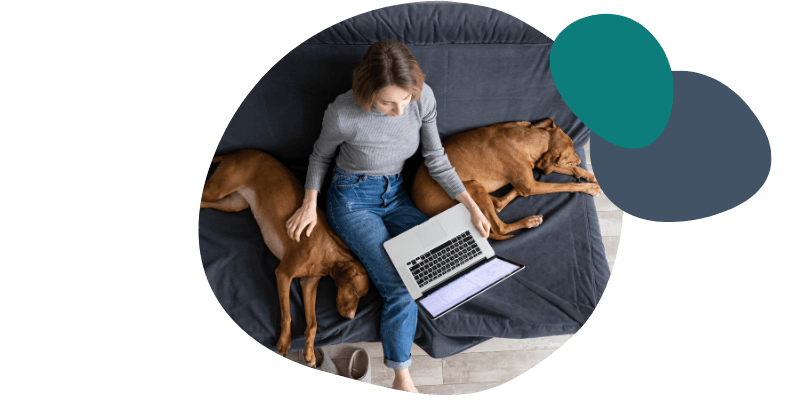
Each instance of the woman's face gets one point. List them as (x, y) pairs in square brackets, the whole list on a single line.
[(392, 100)]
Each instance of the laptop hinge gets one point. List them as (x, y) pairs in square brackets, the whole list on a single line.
[(456, 276)]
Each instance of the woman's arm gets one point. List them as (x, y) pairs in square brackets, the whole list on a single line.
[(304, 218), (478, 219), (439, 166), (329, 140)]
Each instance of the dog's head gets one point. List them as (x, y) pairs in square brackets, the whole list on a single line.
[(561, 150), (352, 283)]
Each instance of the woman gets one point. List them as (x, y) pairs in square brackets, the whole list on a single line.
[(377, 126)]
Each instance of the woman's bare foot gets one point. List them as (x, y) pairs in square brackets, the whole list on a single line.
[(402, 381)]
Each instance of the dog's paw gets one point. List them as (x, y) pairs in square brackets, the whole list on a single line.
[(592, 189), (534, 221), (310, 358), (284, 343)]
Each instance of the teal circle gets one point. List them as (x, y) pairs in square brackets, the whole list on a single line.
[(615, 77)]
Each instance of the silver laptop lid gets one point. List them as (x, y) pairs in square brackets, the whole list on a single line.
[(420, 239)]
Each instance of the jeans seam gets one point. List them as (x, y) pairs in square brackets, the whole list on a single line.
[(346, 186), (347, 238), (402, 227), (338, 201), (334, 184), (338, 228)]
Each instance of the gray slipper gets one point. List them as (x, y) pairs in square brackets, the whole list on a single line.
[(324, 363), (359, 368)]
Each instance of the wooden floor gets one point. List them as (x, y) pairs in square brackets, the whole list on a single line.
[(488, 364)]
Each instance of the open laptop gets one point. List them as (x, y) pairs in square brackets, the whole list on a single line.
[(444, 262)]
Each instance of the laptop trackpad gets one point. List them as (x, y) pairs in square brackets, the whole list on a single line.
[(431, 233)]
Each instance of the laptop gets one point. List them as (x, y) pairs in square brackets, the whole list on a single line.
[(445, 262)]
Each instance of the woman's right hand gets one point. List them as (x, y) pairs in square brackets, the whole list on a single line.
[(305, 216)]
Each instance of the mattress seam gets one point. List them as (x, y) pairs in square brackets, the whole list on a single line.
[(434, 44), (588, 240)]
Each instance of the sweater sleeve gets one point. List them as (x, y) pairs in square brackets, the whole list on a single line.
[(329, 139), (439, 166)]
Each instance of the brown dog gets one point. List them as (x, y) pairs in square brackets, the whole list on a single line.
[(488, 158), (250, 178)]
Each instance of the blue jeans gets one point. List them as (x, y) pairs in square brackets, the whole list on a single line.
[(365, 211)]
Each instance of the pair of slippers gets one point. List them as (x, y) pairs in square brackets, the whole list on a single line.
[(358, 368)]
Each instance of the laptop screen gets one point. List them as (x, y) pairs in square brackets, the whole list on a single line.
[(467, 285)]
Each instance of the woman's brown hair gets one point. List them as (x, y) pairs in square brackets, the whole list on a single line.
[(386, 63)]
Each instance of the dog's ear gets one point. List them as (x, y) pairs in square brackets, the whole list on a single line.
[(546, 124), (337, 271), (343, 270), (547, 159)]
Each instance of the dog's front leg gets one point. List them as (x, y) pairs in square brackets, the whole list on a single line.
[(581, 173), (285, 339), (309, 284), (591, 187), (577, 172)]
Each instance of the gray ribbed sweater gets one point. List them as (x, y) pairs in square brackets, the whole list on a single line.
[(377, 144)]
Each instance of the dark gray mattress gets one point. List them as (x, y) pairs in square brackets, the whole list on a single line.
[(484, 67)]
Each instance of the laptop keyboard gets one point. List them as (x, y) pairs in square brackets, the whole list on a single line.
[(444, 258)]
